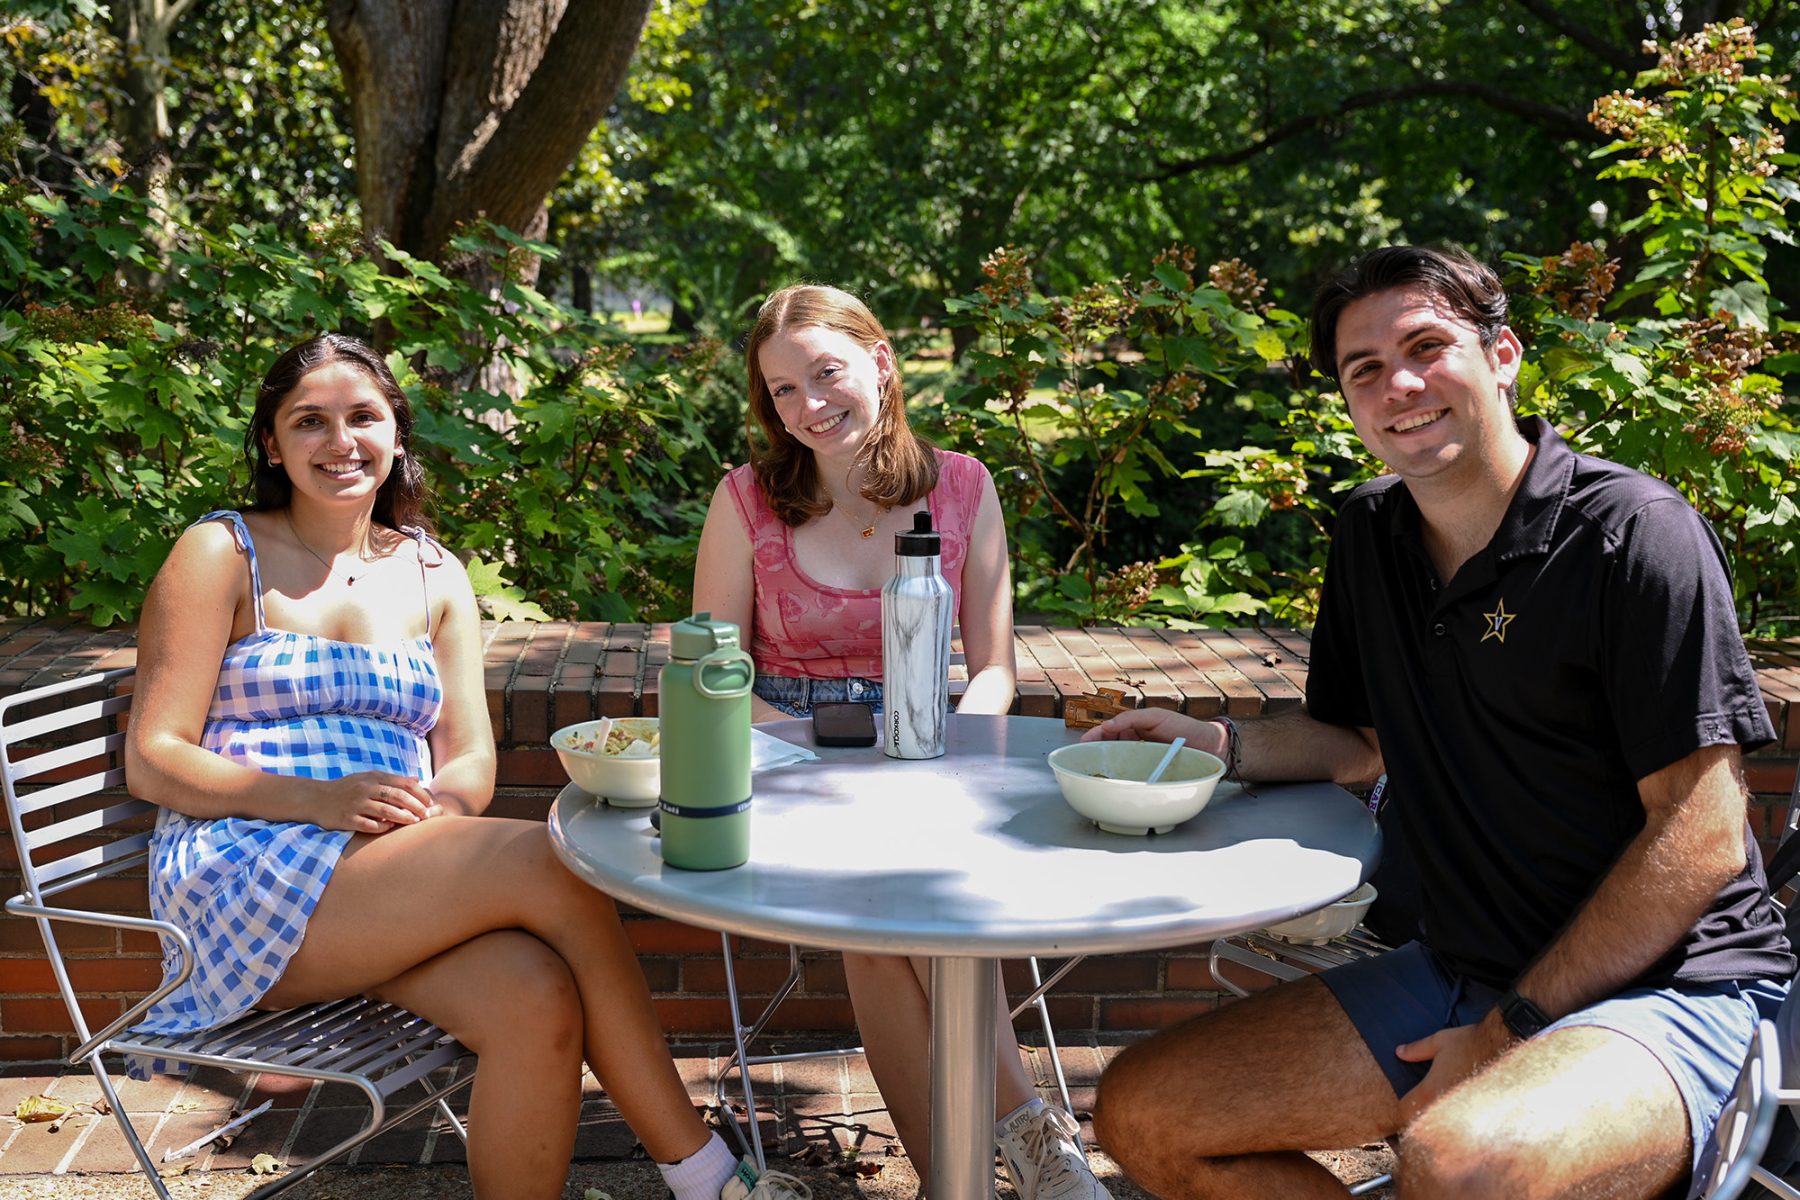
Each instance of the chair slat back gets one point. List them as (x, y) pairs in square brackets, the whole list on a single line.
[(73, 870), (73, 789), (29, 728), (54, 768), (58, 758)]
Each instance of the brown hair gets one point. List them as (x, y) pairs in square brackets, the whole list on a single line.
[(400, 501), (1472, 291), (899, 466)]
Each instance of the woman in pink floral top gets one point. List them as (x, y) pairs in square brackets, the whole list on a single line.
[(796, 548), (799, 541)]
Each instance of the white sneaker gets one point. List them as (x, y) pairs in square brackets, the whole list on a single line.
[(745, 1184), (1044, 1159)]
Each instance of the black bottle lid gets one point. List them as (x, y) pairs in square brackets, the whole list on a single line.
[(920, 541)]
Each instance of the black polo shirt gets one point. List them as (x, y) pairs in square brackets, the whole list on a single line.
[(1592, 642)]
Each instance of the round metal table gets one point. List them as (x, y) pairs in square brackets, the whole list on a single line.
[(971, 858)]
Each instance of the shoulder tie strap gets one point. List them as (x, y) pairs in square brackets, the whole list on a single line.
[(241, 532), (427, 545)]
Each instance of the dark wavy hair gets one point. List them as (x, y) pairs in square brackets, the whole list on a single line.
[(401, 499), (1472, 291), (899, 465)]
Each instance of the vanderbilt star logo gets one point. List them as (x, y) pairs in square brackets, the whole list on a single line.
[(1497, 621)]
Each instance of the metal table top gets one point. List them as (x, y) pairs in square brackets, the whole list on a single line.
[(976, 854)]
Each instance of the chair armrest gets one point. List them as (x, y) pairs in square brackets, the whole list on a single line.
[(184, 947)]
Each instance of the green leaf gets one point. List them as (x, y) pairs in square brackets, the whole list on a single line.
[(1744, 300), (1564, 362)]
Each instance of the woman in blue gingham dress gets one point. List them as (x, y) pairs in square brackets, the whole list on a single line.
[(311, 715), (288, 704)]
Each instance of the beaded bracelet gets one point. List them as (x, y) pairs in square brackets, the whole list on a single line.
[(1234, 748)]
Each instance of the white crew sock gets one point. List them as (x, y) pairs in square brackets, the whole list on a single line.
[(701, 1174)]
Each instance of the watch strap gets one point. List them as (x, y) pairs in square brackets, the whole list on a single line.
[(1524, 1018)]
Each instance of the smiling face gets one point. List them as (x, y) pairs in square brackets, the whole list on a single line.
[(1426, 397), (825, 386), (334, 434)]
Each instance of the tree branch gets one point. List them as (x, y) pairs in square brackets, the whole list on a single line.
[(175, 11), (1626, 58), (517, 158), (1559, 121)]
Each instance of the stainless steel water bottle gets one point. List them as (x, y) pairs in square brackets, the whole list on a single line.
[(917, 611), (704, 699)]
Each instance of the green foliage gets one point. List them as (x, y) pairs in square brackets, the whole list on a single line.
[(1677, 372), (122, 415), (1093, 406), (260, 122), (887, 145), (1096, 403)]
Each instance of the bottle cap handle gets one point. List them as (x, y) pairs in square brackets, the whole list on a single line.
[(729, 659)]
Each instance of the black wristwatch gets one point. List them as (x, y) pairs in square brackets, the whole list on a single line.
[(1520, 1015)]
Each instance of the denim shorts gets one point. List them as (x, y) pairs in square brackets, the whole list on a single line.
[(1698, 1032), (796, 696)]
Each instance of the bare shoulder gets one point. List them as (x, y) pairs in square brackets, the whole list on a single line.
[(203, 583), (203, 550)]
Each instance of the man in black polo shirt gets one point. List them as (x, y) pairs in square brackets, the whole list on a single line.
[(1541, 651)]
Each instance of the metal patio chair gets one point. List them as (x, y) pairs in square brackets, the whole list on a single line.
[(1753, 1123), (1747, 1123), (743, 1035), (73, 824)]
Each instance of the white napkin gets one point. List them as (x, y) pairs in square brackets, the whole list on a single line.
[(768, 751)]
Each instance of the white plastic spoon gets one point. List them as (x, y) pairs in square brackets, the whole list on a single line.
[(1167, 758)]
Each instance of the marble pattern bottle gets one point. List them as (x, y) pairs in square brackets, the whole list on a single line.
[(917, 610)]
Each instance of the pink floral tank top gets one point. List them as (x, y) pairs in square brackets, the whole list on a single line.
[(805, 628)]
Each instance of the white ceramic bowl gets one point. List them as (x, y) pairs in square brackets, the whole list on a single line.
[(1334, 920), (622, 782), (1104, 782)]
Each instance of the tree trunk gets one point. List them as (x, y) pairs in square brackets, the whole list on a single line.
[(143, 28), (581, 284), (471, 108)]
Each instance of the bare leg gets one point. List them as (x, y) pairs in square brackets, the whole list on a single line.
[(509, 998), (1580, 1112), (403, 897), (893, 1013), (1222, 1105)]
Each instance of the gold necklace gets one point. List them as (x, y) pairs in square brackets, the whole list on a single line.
[(867, 531), (349, 579)]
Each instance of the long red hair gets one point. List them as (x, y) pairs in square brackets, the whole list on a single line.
[(899, 466)]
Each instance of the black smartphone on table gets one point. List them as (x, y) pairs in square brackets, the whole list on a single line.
[(843, 723)]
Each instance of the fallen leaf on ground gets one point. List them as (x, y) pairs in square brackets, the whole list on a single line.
[(861, 1168), (265, 1164), (172, 1170), (42, 1108), (595, 1194)]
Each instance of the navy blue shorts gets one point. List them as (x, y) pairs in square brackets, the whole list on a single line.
[(1698, 1032)]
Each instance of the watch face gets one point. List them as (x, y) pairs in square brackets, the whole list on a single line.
[(1522, 1016)]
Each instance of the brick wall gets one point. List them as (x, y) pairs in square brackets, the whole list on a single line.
[(541, 677)]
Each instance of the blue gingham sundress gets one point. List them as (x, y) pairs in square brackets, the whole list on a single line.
[(289, 704)]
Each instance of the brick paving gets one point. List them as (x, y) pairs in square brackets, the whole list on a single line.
[(542, 676), (830, 1102)]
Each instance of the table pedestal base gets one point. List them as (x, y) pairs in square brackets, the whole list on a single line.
[(962, 1078)]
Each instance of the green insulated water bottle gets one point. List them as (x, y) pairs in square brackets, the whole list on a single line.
[(705, 703)]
